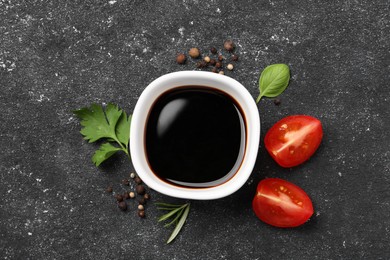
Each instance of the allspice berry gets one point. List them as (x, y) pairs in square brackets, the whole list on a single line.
[(109, 189), (181, 58), (147, 196), (228, 45), (212, 62), (122, 205), (126, 195), (141, 201), (220, 57), (277, 101), (140, 189), (218, 64), (215, 70), (125, 182), (235, 57), (194, 53), (213, 50)]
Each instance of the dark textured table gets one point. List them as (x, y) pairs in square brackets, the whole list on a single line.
[(59, 56)]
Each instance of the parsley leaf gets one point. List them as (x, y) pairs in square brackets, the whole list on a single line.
[(112, 124), (105, 151)]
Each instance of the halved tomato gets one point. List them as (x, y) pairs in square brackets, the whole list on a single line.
[(294, 139), (281, 203)]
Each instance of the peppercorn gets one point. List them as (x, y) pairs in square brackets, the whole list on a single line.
[(118, 197), (125, 182), (131, 195), (221, 72), (132, 175), (207, 59), (147, 196), (215, 70), (213, 50), (194, 53), (126, 195), (199, 64), (228, 45), (212, 62), (230, 66), (220, 57), (235, 57), (141, 213), (140, 189), (218, 64), (141, 207), (109, 189), (277, 101), (138, 180), (181, 58), (122, 205), (141, 201)]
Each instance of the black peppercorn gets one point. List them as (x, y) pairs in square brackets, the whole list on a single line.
[(141, 201), (215, 70), (213, 50), (141, 213), (277, 101), (126, 195), (147, 196), (109, 189), (125, 182), (118, 197), (122, 205), (218, 64), (235, 57), (220, 57), (140, 189), (212, 62), (138, 180)]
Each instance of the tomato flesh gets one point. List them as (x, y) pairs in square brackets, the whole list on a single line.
[(281, 203), (293, 140)]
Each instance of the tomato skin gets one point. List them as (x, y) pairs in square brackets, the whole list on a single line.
[(294, 139), (281, 203)]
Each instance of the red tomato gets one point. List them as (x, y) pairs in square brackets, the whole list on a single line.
[(281, 203), (293, 140)]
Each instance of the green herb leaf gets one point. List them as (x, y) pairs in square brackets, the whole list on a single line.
[(171, 213), (123, 129), (273, 80), (105, 151), (111, 124), (179, 225), (98, 124), (167, 205)]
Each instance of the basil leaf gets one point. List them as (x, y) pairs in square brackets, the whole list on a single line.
[(273, 80)]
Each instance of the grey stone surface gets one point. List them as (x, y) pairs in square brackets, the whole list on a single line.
[(57, 56)]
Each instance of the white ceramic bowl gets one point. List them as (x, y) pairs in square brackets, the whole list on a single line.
[(194, 78)]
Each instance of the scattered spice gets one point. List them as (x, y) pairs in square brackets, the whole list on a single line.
[(125, 182), (141, 213), (228, 45), (132, 175), (212, 62), (277, 101), (220, 57), (215, 70), (126, 195), (140, 189), (207, 59), (119, 197), (181, 58), (235, 57), (141, 207), (194, 53), (230, 66), (138, 180), (122, 205), (109, 189), (221, 72), (131, 195), (147, 196), (218, 64), (213, 50)]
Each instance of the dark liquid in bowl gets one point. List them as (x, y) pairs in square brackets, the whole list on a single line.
[(195, 137)]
